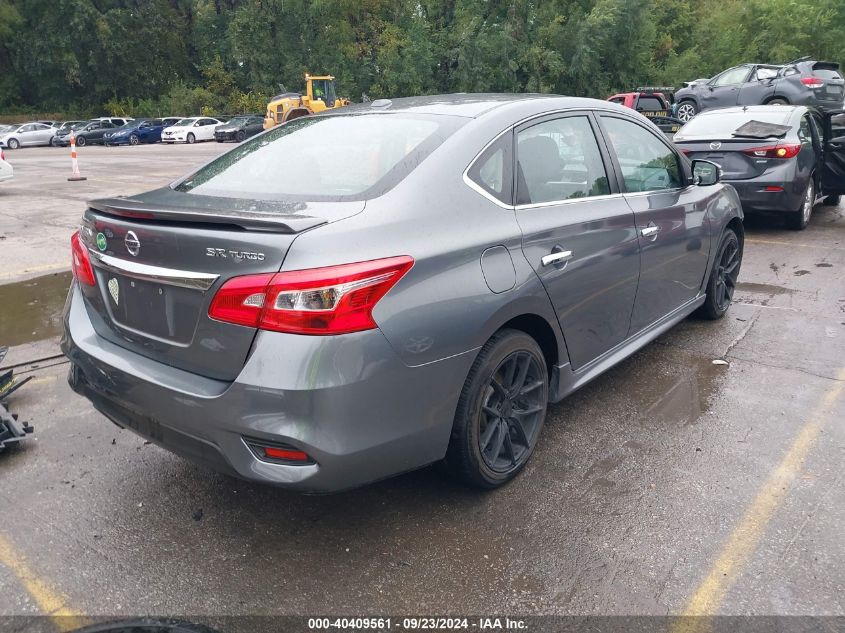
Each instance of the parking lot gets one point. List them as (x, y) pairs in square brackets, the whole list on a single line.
[(668, 485)]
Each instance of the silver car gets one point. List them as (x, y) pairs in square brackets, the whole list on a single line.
[(357, 294), (27, 134)]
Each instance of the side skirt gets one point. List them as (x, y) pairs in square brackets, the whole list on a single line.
[(565, 380)]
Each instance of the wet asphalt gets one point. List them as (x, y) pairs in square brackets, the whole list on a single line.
[(638, 483)]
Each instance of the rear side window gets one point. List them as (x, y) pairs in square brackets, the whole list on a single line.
[(336, 157), (647, 163), (493, 170), (650, 104), (559, 160)]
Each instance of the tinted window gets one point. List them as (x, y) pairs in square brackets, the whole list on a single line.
[(619, 100), (647, 163), (339, 157), (559, 160), (650, 104), (804, 133), (493, 171), (732, 76)]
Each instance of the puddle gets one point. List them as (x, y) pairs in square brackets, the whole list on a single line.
[(32, 310), (769, 289), (686, 394)]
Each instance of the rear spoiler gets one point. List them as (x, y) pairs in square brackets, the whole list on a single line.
[(272, 221)]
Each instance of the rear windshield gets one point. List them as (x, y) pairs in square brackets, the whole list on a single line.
[(826, 73), (338, 157), (722, 125)]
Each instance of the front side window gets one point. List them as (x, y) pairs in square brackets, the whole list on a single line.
[(340, 157), (559, 160), (733, 76), (647, 163)]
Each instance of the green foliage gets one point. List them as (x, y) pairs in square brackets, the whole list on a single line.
[(174, 57)]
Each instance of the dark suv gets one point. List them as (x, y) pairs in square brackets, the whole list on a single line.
[(800, 82)]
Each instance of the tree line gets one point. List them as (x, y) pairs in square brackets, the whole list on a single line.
[(157, 57)]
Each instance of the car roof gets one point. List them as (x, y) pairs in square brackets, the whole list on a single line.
[(786, 109), (475, 105)]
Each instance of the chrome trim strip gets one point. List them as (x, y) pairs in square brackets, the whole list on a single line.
[(510, 207), (145, 272), (538, 205)]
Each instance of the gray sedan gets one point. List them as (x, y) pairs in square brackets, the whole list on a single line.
[(27, 134), (418, 284)]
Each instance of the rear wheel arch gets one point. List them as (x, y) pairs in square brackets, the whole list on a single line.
[(540, 330), (295, 113)]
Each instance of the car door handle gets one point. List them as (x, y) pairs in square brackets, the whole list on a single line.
[(650, 231), (556, 258)]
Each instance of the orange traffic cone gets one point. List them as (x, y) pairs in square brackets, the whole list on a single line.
[(75, 175)]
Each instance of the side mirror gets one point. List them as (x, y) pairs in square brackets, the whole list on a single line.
[(705, 173)]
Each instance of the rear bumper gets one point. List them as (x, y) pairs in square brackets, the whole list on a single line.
[(347, 401), (754, 197)]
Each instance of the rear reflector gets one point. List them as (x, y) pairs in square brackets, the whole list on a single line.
[(774, 189), (331, 300), (812, 82), (781, 150), (277, 452), (285, 454), (81, 261)]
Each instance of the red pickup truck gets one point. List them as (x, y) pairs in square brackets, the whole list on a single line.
[(651, 103)]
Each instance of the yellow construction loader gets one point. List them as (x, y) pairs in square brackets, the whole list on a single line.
[(319, 96)]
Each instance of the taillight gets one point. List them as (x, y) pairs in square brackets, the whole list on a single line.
[(81, 261), (781, 150), (331, 300), (2, 155), (812, 82)]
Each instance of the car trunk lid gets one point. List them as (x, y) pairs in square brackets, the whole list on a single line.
[(731, 156), (160, 258)]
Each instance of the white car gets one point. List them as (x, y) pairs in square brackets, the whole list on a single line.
[(6, 171), (190, 130), (27, 134)]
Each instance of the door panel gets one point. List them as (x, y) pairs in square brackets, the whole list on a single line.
[(759, 86), (833, 172), (723, 90), (577, 234), (670, 218)]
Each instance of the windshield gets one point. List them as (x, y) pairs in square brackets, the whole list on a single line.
[(236, 120), (341, 157), (184, 122), (722, 125)]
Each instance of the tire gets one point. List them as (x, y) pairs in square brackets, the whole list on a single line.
[(14, 143), (832, 201), (686, 110), (722, 281), (133, 139), (240, 136), (492, 418), (777, 101), (799, 219), (80, 141), (190, 139)]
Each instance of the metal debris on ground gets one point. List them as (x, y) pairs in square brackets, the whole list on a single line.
[(11, 430)]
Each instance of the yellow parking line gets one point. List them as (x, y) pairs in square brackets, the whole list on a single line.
[(45, 268), (50, 602), (743, 541)]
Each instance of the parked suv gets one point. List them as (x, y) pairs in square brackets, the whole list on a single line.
[(802, 82)]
